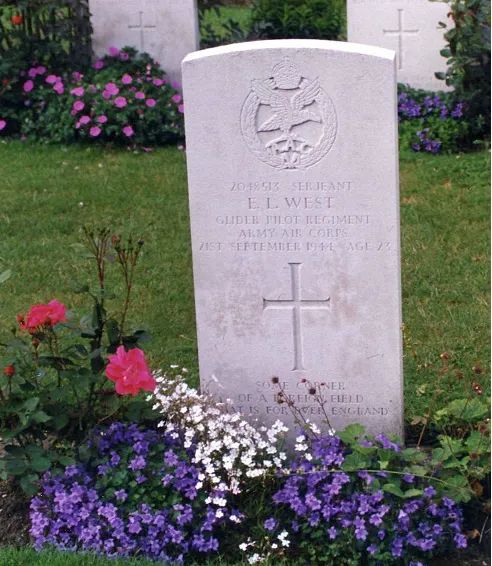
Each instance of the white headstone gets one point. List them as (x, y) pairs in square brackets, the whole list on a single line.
[(293, 184), (411, 27), (166, 29)]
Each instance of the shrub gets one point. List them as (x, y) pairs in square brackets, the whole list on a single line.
[(432, 122), (307, 19), (54, 385), (468, 54), (126, 99)]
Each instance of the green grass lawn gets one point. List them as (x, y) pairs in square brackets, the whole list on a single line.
[(48, 193)]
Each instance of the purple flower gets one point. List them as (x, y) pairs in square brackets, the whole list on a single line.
[(270, 524)]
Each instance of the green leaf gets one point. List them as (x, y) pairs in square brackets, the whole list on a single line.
[(5, 275), (355, 461), (393, 489), (30, 404), (60, 420), (40, 417), (40, 464), (15, 466), (413, 493), (29, 484), (113, 331), (351, 433)]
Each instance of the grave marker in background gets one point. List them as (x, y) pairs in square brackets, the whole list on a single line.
[(411, 27), (166, 29), (293, 184)]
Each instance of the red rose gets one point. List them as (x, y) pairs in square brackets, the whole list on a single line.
[(130, 372), (43, 315), (9, 371), (17, 20)]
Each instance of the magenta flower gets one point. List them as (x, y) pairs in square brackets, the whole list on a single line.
[(158, 82), (106, 95), (59, 88), (128, 131), (181, 108), (98, 65), (94, 131), (78, 91), (76, 76), (32, 72), (114, 51), (52, 79), (126, 79), (112, 89), (28, 86), (150, 102), (78, 105), (176, 85), (41, 70), (176, 98), (3, 123), (124, 56), (102, 119), (139, 95), (85, 119), (77, 125), (120, 102)]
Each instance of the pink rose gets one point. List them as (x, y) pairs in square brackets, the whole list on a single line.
[(150, 102), (128, 131), (78, 105), (76, 76), (126, 79), (176, 85), (181, 108), (85, 119), (94, 131), (120, 102), (28, 86), (112, 89), (139, 95), (98, 65), (106, 95), (51, 79), (124, 56), (176, 98), (78, 91), (102, 119), (114, 51), (158, 82), (32, 72), (3, 123), (41, 70), (43, 315), (59, 88), (130, 372)]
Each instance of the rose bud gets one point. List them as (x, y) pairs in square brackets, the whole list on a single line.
[(17, 20), (9, 370)]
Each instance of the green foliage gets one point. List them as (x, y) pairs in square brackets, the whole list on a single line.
[(56, 34), (468, 54), (220, 27), (306, 19), (53, 388)]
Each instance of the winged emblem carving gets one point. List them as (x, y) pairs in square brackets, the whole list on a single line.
[(292, 101)]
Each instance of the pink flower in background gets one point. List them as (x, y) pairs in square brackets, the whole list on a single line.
[(129, 371), (41, 70), (77, 125), (126, 79), (59, 88), (120, 102), (128, 131), (176, 85), (3, 123), (124, 56), (84, 119), (158, 82), (112, 89), (52, 79), (176, 98), (98, 65), (102, 119), (78, 105), (43, 315), (78, 91), (76, 76), (94, 131), (114, 51), (32, 72), (28, 86), (106, 95), (139, 95), (181, 108), (150, 102)]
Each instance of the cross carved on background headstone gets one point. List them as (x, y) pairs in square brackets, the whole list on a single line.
[(399, 33), (142, 28)]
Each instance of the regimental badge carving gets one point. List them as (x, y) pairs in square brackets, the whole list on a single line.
[(287, 120)]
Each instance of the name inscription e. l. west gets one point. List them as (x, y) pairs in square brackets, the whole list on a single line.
[(295, 228)]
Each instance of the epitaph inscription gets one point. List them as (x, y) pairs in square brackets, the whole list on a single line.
[(298, 113)]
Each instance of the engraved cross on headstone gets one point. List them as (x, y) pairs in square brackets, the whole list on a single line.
[(296, 305), (142, 28), (399, 32)]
